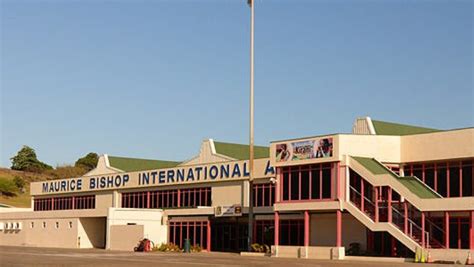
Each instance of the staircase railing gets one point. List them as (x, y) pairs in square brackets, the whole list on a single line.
[(368, 206)]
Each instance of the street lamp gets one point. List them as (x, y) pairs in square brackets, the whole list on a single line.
[(251, 156)]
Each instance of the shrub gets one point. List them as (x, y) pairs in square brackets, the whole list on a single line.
[(170, 247), (66, 171), (260, 248), (196, 248), (19, 182), (7, 187)]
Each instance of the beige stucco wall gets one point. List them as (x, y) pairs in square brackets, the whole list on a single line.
[(383, 148), (125, 237), (230, 193), (323, 230), (438, 146), (154, 225), (92, 232), (39, 235)]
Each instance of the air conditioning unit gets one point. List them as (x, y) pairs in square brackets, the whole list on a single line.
[(2, 226), (17, 225)]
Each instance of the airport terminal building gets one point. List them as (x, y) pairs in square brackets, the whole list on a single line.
[(385, 189)]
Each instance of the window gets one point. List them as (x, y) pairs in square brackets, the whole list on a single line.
[(64, 203), (70, 224), (292, 232), (448, 178), (263, 195), (195, 197), (196, 231), (174, 198), (44, 224), (309, 182), (32, 225), (57, 225)]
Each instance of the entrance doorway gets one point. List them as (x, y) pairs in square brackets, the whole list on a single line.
[(229, 234)]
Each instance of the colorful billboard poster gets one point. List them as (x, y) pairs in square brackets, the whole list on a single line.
[(310, 149)]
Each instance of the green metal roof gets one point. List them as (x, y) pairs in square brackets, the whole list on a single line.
[(241, 152), (411, 183), (134, 164), (390, 128)]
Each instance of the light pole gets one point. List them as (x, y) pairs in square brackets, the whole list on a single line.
[(251, 156)]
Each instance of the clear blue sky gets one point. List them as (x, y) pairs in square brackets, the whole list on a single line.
[(154, 78)]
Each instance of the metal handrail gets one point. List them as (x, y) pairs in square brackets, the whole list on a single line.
[(355, 190)]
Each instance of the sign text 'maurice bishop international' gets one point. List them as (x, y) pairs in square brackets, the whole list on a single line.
[(165, 176)]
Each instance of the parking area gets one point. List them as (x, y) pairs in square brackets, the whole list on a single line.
[(26, 256)]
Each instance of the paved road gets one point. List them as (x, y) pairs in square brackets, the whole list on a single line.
[(22, 256)]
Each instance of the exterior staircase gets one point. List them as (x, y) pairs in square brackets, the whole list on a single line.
[(415, 193)]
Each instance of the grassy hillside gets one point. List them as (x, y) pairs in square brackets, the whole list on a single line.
[(20, 199)]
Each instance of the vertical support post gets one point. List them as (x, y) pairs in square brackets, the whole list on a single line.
[(460, 178), (338, 228), (448, 182), (277, 185), (338, 181), (179, 198), (423, 237), (208, 235), (471, 230), (306, 228), (376, 193), (277, 228), (148, 199), (389, 206), (362, 195), (405, 209), (251, 128), (73, 202), (52, 203), (446, 230)]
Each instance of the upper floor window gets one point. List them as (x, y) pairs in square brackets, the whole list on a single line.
[(307, 182), (449, 178), (64, 203), (173, 198), (263, 195)]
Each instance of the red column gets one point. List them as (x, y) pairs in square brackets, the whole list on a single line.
[(471, 230), (179, 198), (306, 228), (446, 229), (389, 208), (208, 235), (376, 193), (423, 238), (277, 228), (338, 182), (338, 228), (52, 203), (148, 199)]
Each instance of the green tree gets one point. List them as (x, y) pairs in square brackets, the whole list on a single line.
[(88, 162), (26, 160)]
